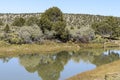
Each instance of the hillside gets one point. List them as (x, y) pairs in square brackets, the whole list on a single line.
[(78, 25), (74, 20)]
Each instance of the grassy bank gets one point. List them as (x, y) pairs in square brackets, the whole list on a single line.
[(98, 73), (49, 47), (100, 45)]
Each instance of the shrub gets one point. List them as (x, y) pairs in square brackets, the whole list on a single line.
[(14, 38), (2, 35), (18, 21), (108, 28), (78, 27), (30, 33), (61, 32), (32, 21), (72, 28), (45, 24), (1, 23), (84, 34), (6, 29), (20, 35), (36, 33), (49, 34)]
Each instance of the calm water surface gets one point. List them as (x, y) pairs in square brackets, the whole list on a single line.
[(58, 66)]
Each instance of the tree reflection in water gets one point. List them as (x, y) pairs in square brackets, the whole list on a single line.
[(104, 59), (49, 66), (5, 59)]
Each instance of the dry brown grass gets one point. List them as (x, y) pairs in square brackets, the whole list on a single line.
[(91, 45), (99, 45), (98, 73), (35, 48), (47, 47)]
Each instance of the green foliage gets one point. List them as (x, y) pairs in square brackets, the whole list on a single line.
[(31, 21), (21, 35), (99, 39), (2, 35), (49, 34), (108, 28), (4, 44), (14, 38), (7, 29), (30, 33), (102, 28), (65, 36), (45, 24), (54, 14), (72, 28), (78, 27), (50, 17), (1, 22), (61, 32), (18, 21), (52, 20)]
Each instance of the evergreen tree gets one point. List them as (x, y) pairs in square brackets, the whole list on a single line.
[(1, 22), (19, 22), (31, 21), (7, 29), (109, 27), (52, 19)]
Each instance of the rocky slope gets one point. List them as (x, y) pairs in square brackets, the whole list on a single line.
[(74, 20)]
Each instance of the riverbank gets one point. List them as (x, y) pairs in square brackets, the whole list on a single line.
[(100, 45), (49, 47), (100, 73)]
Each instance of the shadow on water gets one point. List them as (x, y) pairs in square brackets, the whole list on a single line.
[(50, 66)]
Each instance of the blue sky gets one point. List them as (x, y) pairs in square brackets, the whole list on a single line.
[(97, 7)]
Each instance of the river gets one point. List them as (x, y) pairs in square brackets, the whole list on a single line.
[(56, 66)]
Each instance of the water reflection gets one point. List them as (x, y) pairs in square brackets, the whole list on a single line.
[(47, 66), (50, 66), (5, 59), (104, 59)]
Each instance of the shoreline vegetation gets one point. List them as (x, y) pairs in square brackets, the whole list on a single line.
[(47, 47), (50, 47)]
